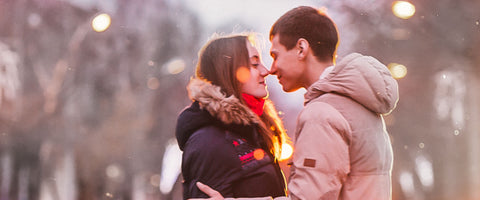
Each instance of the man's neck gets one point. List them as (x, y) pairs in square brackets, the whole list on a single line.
[(315, 69)]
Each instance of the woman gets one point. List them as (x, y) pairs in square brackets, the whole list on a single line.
[(231, 135)]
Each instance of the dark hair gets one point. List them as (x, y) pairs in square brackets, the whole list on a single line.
[(311, 24), (218, 63)]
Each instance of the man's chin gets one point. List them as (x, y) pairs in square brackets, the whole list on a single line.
[(289, 89)]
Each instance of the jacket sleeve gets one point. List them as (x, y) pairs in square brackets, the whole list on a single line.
[(321, 160), (209, 158)]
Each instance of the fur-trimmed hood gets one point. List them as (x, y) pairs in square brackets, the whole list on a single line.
[(226, 109), (211, 107)]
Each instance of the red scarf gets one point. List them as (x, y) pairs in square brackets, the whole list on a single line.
[(255, 104)]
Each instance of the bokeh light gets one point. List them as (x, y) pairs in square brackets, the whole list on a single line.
[(243, 74), (258, 154), (403, 9), (175, 66), (424, 169), (151, 63), (34, 20), (153, 83), (398, 70), (113, 171), (155, 180), (101, 22), (421, 145), (287, 151), (172, 162), (406, 183)]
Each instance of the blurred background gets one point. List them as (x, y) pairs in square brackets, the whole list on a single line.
[(90, 90)]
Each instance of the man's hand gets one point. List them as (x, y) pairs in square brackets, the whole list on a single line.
[(213, 194)]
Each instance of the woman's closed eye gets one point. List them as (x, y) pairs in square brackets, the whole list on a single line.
[(255, 61)]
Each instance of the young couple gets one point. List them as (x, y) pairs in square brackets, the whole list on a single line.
[(231, 134)]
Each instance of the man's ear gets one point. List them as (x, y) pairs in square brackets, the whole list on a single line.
[(303, 48)]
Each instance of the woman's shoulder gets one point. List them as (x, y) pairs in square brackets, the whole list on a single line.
[(208, 133), (210, 146), (208, 139)]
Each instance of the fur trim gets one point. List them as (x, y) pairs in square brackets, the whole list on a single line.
[(226, 109)]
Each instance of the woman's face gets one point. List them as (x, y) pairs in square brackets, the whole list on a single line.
[(255, 84)]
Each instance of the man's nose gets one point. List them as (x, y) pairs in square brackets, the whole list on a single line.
[(273, 69)]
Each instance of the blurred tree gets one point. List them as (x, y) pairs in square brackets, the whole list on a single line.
[(100, 104), (435, 123)]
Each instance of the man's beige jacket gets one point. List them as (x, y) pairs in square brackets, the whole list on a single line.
[(342, 148)]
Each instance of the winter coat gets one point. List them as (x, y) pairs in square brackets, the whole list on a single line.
[(222, 148), (342, 148)]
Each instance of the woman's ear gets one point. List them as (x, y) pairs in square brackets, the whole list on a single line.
[(303, 48)]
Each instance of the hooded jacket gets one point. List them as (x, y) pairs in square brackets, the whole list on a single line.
[(342, 148), (222, 149)]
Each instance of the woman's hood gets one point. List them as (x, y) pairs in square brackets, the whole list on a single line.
[(362, 78), (226, 109), (211, 107)]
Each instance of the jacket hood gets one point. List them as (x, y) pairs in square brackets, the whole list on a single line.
[(211, 107), (362, 78)]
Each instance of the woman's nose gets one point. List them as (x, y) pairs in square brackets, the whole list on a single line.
[(263, 70)]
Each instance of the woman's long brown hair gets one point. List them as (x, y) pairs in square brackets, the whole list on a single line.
[(218, 63)]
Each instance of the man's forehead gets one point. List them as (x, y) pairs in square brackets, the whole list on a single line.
[(275, 39), (275, 43)]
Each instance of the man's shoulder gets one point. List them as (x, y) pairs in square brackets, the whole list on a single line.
[(333, 100), (325, 102), (318, 110), (325, 108)]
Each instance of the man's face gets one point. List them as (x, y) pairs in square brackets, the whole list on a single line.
[(286, 66)]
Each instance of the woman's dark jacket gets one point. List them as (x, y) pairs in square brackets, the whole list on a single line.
[(222, 149)]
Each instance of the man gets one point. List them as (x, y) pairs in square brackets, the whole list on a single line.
[(342, 149)]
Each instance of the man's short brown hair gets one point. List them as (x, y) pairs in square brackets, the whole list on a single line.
[(311, 24)]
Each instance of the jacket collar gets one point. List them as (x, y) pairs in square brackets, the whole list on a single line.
[(226, 109), (211, 107)]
